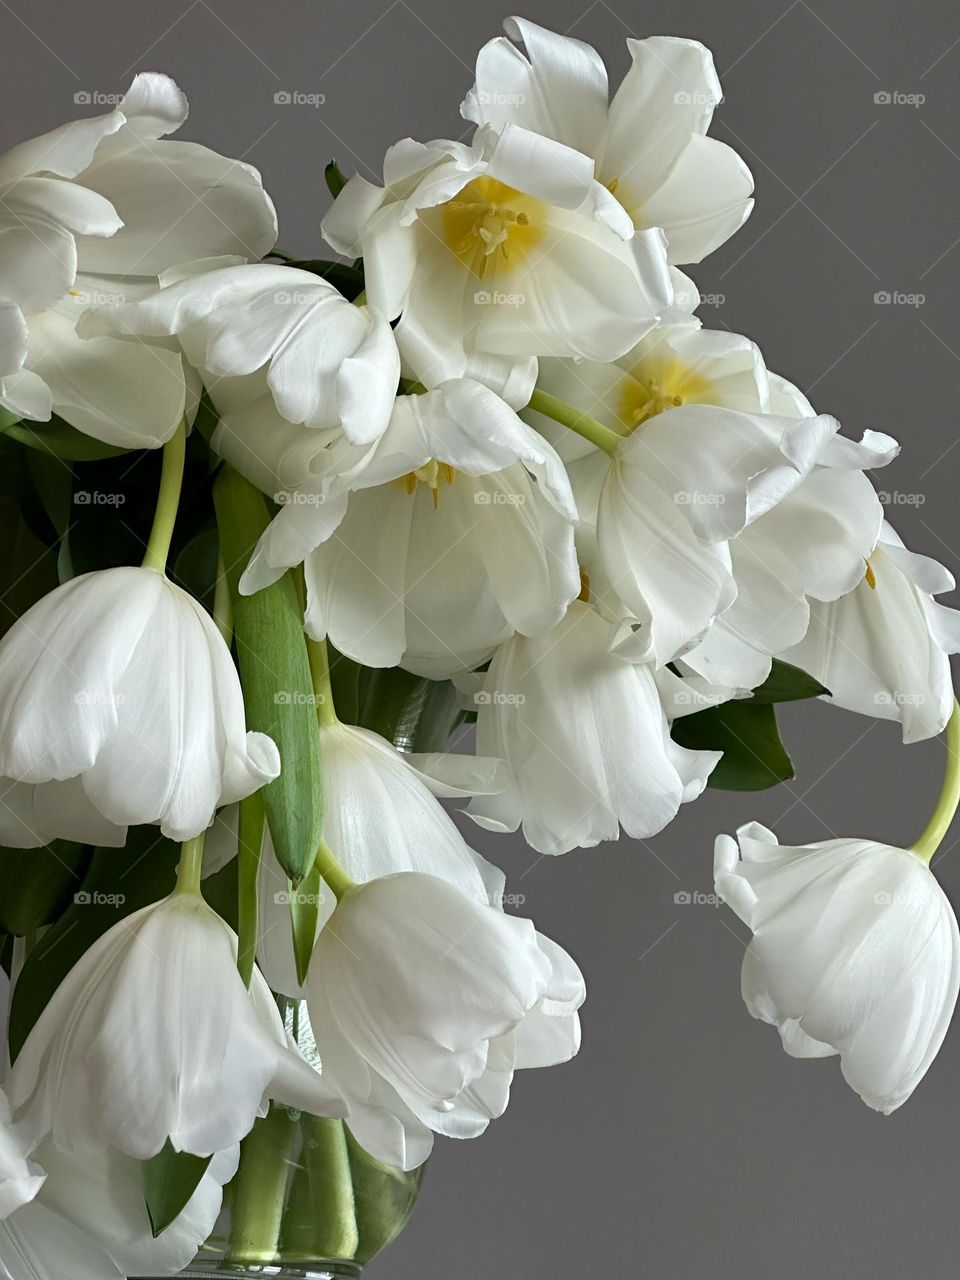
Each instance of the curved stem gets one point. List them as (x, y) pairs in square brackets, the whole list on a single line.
[(570, 416), (322, 688), (190, 870), (332, 872), (168, 500), (926, 845)]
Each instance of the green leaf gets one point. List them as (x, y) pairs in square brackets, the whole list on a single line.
[(39, 884), (58, 438), (754, 757), (169, 1180), (787, 683), (333, 176), (250, 824), (275, 675), (117, 883), (304, 915)]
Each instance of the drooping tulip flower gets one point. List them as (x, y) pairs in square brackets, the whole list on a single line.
[(120, 703), (152, 1036), (425, 1002), (855, 952), (585, 738)]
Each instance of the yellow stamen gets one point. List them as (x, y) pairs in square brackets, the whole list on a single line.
[(870, 576), (658, 382), (491, 227)]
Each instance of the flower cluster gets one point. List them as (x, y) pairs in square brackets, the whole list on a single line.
[(495, 470)]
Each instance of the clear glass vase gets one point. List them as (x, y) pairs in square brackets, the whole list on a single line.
[(307, 1202)]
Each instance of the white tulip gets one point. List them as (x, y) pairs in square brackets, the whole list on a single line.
[(649, 146), (855, 952), (882, 650), (424, 1002), (20, 1178), (327, 362), (675, 364), (454, 531), (807, 551), (585, 738), (381, 817), (677, 492), (120, 679), (508, 247), (98, 209), (152, 1036)]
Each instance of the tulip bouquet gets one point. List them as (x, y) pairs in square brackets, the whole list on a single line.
[(277, 528)]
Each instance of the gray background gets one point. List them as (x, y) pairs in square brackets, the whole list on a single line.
[(682, 1142)]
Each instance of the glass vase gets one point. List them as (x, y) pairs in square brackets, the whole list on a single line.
[(307, 1201)]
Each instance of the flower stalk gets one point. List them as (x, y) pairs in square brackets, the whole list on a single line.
[(190, 869), (930, 839), (168, 500), (570, 416)]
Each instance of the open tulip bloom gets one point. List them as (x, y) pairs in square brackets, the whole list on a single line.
[(493, 470)]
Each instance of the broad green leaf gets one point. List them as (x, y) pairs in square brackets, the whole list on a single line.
[(169, 1180), (754, 757), (117, 883), (58, 438), (787, 683), (39, 884), (275, 675)]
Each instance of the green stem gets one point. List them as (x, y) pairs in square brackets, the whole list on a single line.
[(570, 416), (260, 1189), (320, 674), (321, 1218), (190, 870), (332, 872), (361, 299), (932, 835), (168, 500)]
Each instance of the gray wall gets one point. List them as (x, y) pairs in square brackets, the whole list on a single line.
[(682, 1142)]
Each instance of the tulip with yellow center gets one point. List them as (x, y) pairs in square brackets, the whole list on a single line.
[(492, 227)]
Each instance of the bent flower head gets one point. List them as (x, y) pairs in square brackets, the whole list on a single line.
[(424, 1002), (855, 952), (119, 696)]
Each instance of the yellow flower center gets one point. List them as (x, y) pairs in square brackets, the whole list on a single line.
[(658, 382), (431, 474), (491, 227)]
